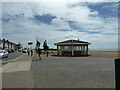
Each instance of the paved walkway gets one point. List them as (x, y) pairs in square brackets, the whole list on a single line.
[(17, 74), (73, 72), (58, 72), (21, 63)]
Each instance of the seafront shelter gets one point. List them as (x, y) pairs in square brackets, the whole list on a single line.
[(72, 48)]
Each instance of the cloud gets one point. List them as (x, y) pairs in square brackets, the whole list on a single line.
[(60, 24), (45, 18), (60, 1), (59, 21)]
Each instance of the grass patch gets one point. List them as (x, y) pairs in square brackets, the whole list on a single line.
[(50, 51)]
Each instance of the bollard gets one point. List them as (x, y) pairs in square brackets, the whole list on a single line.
[(117, 73)]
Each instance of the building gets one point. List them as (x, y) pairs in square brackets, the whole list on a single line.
[(18, 46), (6, 44), (72, 48)]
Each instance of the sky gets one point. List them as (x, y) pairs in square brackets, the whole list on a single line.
[(94, 22)]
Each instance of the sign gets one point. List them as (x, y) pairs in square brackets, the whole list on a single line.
[(30, 43)]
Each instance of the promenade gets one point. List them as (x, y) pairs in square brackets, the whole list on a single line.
[(17, 74), (74, 72), (58, 72)]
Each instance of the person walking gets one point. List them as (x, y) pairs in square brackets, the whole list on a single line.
[(28, 52), (39, 53), (31, 53), (47, 53)]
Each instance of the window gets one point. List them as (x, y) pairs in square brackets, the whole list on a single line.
[(77, 48), (65, 47), (58, 47)]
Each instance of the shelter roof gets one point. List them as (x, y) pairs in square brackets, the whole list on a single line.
[(72, 42)]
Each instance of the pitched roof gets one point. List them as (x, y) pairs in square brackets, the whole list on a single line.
[(75, 42)]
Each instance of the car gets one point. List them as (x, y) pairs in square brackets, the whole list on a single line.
[(24, 51), (9, 51), (3, 53), (12, 50), (20, 50)]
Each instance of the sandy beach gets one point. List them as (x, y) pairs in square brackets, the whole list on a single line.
[(105, 53)]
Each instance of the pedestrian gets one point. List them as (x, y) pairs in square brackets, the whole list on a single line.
[(31, 53), (28, 52), (39, 53), (47, 53)]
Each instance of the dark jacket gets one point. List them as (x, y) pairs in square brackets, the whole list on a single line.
[(39, 51)]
